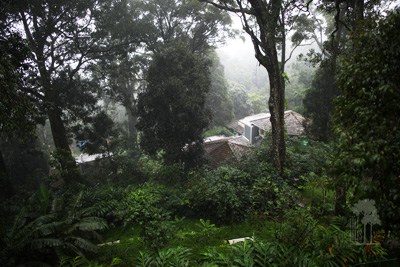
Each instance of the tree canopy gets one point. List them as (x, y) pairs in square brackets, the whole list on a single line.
[(171, 112), (62, 40)]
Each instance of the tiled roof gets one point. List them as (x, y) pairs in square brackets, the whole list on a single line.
[(294, 123), (229, 148), (234, 125)]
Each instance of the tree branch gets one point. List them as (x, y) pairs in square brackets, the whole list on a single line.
[(228, 8), (291, 53)]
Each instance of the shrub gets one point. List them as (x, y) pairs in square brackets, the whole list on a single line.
[(50, 227), (222, 195), (322, 246), (144, 209)]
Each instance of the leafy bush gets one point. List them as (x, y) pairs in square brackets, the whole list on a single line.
[(206, 228), (82, 262), (128, 167), (319, 186), (107, 202), (300, 160), (221, 195), (229, 195), (178, 256), (320, 247), (272, 196), (144, 209), (50, 227), (315, 157)]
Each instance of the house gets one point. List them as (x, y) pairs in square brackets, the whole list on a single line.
[(219, 149), (253, 126), (92, 166), (90, 163)]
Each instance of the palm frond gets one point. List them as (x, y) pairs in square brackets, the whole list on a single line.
[(87, 224), (43, 197), (76, 202), (83, 244), (40, 243), (56, 204), (92, 224), (19, 221)]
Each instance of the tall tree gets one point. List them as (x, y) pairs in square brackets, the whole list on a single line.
[(121, 71), (343, 17), (347, 17), (172, 116), (264, 21), (318, 101), (196, 24), (122, 75), (17, 109), (142, 28), (366, 116), (60, 35), (258, 103)]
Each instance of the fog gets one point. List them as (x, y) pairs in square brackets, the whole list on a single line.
[(241, 66)]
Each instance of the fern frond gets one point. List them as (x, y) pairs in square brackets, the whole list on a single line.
[(44, 230), (144, 259)]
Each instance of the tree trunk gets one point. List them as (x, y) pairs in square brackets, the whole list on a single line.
[(37, 43), (131, 127), (340, 187), (359, 13), (264, 42), (340, 198), (7, 189), (63, 153), (268, 57), (276, 105)]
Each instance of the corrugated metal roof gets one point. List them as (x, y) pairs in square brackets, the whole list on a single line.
[(89, 158)]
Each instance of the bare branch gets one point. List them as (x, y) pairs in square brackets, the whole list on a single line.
[(294, 48)]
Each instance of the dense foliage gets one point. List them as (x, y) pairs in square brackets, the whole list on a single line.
[(47, 228), (171, 109), (283, 218), (366, 116), (318, 101), (140, 82)]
